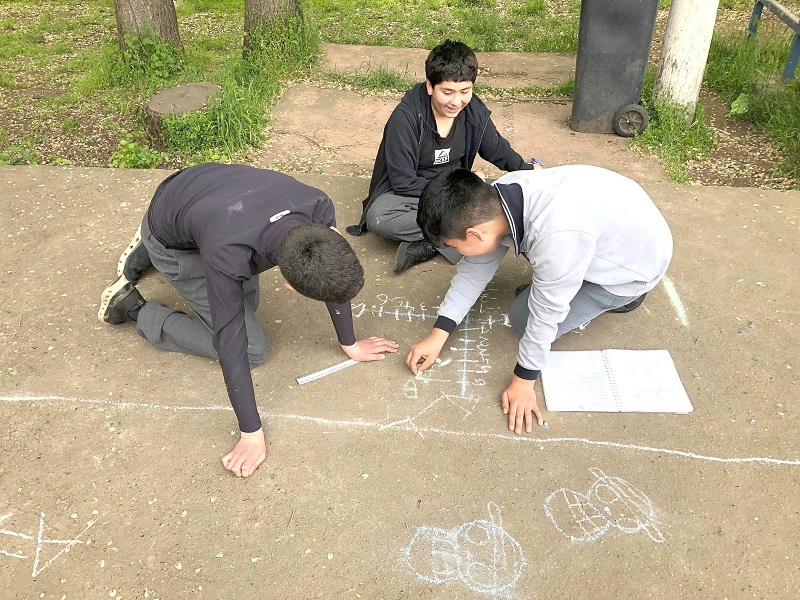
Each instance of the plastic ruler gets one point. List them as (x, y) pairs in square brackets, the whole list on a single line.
[(326, 371)]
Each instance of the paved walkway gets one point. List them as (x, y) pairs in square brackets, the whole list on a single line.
[(379, 484)]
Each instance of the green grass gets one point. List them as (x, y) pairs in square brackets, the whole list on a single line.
[(377, 80), (526, 26), (670, 136), (747, 76), (94, 73), (72, 49)]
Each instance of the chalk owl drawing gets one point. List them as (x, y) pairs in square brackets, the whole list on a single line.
[(610, 502), (480, 554)]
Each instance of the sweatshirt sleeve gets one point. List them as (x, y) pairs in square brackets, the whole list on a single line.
[(401, 147), (226, 302), (472, 275), (342, 318), (559, 262), (497, 150)]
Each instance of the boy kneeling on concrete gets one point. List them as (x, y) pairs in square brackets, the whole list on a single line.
[(211, 230), (595, 240)]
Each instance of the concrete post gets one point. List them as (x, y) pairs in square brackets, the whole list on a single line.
[(684, 54)]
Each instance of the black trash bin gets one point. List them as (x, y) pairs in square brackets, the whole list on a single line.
[(614, 38)]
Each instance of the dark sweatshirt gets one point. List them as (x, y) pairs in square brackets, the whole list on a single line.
[(397, 161), (235, 217)]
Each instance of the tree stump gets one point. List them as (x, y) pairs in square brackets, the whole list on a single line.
[(176, 102)]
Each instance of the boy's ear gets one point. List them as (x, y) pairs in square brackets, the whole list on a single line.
[(475, 234), (429, 87)]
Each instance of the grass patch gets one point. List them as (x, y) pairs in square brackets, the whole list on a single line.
[(236, 121), (70, 51), (747, 76), (670, 136), (74, 50), (563, 90), (529, 26), (379, 80)]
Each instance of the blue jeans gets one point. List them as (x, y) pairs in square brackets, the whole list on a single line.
[(590, 301)]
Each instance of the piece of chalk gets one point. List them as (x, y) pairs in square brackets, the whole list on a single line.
[(546, 424)]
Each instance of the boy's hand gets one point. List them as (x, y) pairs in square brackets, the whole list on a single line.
[(370, 349), (519, 401), (424, 353), (246, 456)]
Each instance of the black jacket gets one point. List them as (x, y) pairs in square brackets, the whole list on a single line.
[(397, 161), (235, 217)]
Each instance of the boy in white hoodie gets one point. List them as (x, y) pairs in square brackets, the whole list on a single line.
[(594, 238)]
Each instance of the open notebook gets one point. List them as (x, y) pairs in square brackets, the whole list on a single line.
[(613, 381)]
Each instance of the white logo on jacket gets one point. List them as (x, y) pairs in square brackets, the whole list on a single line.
[(277, 216), (441, 157)]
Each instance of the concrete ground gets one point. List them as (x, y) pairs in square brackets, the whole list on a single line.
[(379, 484)]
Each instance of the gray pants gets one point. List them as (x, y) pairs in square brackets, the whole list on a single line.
[(590, 301), (170, 329), (395, 218)]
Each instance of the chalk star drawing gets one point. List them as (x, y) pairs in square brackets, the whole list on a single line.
[(41, 541), (480, 554), (470, 349), (609, 502)]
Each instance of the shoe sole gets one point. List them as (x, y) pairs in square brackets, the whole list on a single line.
[(137, 239), (108, 295), (632, 305), (401, 251)]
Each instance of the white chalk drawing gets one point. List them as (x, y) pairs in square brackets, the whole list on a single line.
[(610, 503), (405, 426), (675, 299), (480, 554), (469, 351), (41, 543)]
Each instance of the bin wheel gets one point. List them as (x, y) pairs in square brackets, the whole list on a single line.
[(630, 120)]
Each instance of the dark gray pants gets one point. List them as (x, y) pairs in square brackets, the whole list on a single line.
[(395, 218), (590, 301), (171, 329)]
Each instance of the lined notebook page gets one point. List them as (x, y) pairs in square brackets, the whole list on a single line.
[(614, 381)]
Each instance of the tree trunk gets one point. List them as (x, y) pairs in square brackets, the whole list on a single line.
[(687, 40), (259, 12), (143, 18)]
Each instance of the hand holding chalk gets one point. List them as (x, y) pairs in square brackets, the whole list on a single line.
[(425, 352)]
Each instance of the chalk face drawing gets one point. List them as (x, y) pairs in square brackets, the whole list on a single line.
[(480, 554), (461, 371), (42, 544), (610, 503)]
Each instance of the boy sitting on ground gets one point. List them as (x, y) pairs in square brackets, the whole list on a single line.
[(210, 230), (595, 240), (438, 126)]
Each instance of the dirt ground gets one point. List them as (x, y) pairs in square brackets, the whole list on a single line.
[(379, 484)]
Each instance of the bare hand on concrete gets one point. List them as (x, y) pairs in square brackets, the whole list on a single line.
[(371, 348), (519, 403), (247, 455)]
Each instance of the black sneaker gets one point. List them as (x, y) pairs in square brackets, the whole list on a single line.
[(120, 302), (134, 260), (521, 288), (413, 253), (630, 305)]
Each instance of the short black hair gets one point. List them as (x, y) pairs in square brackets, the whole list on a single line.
[(454, 201), (320, 264), (451, 61)]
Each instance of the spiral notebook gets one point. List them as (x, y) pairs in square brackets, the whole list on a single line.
[(614, 381)]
